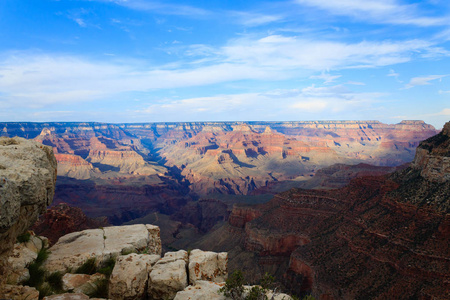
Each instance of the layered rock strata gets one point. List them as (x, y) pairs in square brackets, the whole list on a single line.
[(380, 237)]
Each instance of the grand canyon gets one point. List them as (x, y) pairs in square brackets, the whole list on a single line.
[(332, 208)]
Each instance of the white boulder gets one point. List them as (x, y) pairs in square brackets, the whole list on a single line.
[(207, 265), (168, 276), (129, 278)]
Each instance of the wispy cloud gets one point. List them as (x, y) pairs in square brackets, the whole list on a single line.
[(161, 7), (327, 78), (80, 22), (44, 79), (415, 81), (297, 103), (377, 11), (254, 19), (295, 52)]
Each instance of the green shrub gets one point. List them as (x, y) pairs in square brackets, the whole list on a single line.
[(107, 267), (101, 290), (24, 237), (88, 267), (42, 256), (55, 280), (234, 286), (37, 275), (257, 293), (45, 290)]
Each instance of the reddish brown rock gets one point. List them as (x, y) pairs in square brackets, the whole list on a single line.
[(62, 219), (380, 237)]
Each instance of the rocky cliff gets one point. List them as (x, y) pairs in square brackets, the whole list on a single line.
[(223, 157), (380, 237), (27, 186)]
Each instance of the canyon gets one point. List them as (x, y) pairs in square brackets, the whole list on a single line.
[(126, 171), (271, 195), (379, 237)]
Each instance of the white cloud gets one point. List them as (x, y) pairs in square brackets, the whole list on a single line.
[(415, 81), (392, 73), (80, 22), (292, 52), (161, 7), (255, 19), (279, 104), (441, 92), (327, 78), (378, 11), (38, 80)]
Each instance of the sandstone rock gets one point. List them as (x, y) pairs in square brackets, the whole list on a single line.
[(129, 278), (207, 265), (25, 253), (168, 276), (202, 290), (19, 292), (27, 186), (21, 257), (73, 249), (81, 283), (67, 296)]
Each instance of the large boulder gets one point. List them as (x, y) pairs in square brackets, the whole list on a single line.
[(73, 249), (207, 265), (27, 186), (202, 290), (168, 276), (129, 278)]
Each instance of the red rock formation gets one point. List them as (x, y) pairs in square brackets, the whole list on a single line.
[(74, 166), (62, 219), (384, 237)]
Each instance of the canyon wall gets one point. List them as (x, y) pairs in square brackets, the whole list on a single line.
[(380, 237)]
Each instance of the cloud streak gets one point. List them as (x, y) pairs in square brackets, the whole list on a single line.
[(415, 81), (377, 11), (39, 80)]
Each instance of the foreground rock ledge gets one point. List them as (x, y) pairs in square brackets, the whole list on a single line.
[(27, 186)]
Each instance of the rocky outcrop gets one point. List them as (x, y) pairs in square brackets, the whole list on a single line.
[(168, 276), (433, 157), (62, 219), (74, 166), (207, 265), (130, 276), (27, 186), (73, 249)]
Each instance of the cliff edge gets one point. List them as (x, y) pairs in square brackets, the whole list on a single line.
[(27, 186)]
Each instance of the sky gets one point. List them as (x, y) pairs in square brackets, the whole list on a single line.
[(126, 61)]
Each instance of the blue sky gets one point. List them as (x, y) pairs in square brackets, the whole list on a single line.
[(150, 61)]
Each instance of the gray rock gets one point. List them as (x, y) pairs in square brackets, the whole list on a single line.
[(73, 249), (168, 276), (129, 278), (27, 186)]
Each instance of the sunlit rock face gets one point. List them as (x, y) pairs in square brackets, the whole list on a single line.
[(380, 237), (27, 186)]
